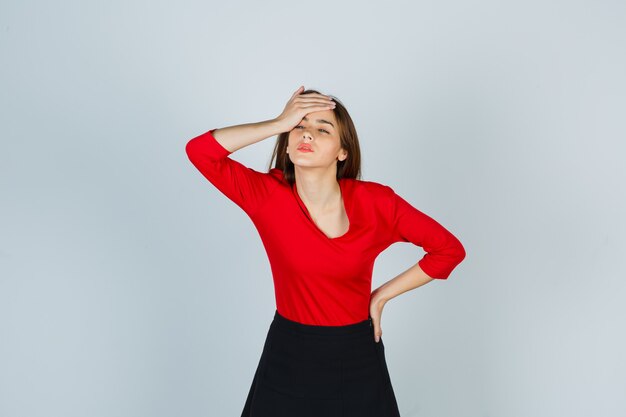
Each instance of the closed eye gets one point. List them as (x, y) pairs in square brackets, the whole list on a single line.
[(323, 130)]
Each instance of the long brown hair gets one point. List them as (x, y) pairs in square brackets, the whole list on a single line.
[(348, 168)]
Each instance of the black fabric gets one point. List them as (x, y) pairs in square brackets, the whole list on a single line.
[(321, 371)]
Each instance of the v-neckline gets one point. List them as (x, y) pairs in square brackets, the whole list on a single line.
[(346, 205)]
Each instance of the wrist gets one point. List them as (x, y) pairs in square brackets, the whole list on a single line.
[(380, 296), (278, 125)]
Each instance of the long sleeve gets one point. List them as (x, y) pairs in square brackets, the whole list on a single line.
[(244, 186), (443, 250)]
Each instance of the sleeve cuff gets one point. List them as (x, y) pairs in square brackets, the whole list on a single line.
[(215, 147), (430, 271)]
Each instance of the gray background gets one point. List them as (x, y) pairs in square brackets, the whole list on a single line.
[(130, 287)]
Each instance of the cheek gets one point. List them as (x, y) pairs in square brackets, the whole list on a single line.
[(330, 152)]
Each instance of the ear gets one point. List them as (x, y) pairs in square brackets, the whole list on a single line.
[(343, 155)]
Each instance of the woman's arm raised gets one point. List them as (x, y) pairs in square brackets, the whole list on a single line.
[(299, 105), (233, 138), (244, 186)]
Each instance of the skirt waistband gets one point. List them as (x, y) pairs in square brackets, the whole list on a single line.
[(362, 327)]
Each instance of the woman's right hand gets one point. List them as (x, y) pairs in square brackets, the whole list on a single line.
[(299, 105)]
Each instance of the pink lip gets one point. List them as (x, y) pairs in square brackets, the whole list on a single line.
[(305, 149)]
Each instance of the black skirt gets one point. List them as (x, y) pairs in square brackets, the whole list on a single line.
[(321, 371)]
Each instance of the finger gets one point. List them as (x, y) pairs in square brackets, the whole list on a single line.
[(317, 107), (311, 102), (377, 330), (316, 95), (298, 91)]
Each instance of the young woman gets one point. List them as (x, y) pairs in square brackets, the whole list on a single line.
[(322, 228)]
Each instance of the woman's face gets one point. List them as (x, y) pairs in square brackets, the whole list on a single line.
[(315, 142)]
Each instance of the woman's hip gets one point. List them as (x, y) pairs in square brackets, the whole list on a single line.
[(332, 362)]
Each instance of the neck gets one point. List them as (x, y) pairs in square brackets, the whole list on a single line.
[(318, 188)]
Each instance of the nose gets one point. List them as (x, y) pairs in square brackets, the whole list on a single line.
[(306, 134)]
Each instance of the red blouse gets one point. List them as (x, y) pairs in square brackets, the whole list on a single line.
[(320, 280)]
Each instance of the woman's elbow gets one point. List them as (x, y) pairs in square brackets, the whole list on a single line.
[(461, 253)]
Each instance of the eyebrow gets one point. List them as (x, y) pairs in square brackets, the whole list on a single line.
[(320, 121)]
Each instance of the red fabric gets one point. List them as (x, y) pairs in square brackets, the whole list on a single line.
[(331, 285)]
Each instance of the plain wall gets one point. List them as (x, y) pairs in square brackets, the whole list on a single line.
[(130, 287)]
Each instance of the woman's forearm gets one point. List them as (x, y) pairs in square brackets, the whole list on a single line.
[(411, 278), (239, 136)]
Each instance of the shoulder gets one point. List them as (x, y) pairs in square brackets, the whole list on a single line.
[(276, 175), (373, 189), (377, 196)]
